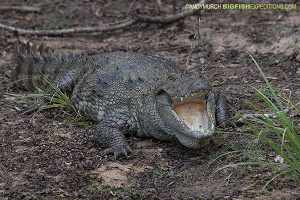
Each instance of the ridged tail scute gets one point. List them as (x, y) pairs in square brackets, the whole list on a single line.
[(33, 65), (28, 65)]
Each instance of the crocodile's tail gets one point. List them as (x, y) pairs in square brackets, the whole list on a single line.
[(33, 65), (28, 65)]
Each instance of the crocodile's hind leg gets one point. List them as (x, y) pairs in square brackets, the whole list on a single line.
[(222, 110), (110, 133), (36, 66), (64, 81)]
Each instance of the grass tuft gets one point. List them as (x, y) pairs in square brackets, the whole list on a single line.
[(280, 132), (57, 101), (59, 21)]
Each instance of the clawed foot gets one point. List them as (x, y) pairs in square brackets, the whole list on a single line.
[(118, 150)]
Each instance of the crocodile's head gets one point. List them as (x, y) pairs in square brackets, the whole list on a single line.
[(186, 105)]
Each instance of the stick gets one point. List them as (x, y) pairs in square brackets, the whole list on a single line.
[(21, 31), (251, 117), (21, 8), (167, 18), (141, 18)]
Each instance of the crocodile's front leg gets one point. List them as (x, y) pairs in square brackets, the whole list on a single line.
[(110, 133)]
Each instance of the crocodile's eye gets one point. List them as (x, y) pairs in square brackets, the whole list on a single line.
[(206, 97), (160, 91)]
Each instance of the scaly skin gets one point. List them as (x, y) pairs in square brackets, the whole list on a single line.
[(125, 93)]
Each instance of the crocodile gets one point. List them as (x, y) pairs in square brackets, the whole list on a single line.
[(126, 93)]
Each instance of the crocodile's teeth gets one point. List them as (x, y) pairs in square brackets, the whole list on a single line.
[(175, 114)]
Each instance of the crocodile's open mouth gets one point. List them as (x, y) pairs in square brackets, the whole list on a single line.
[(192, 111), (192, 115)]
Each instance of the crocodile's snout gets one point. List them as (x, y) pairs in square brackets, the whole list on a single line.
[(201, 84), (187, 106)]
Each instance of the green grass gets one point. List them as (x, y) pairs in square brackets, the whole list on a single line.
[(238, 146), (279, 132), (114, 193), (100, 188), (161, 172), (57, 101), (59, 21)]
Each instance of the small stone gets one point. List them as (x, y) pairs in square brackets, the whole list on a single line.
[(202, 60), (298, 59), (2, 76), (279, 159)]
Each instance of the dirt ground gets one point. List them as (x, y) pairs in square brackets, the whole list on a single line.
[(44, 156)]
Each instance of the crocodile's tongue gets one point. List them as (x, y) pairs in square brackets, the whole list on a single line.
[(193, 114)]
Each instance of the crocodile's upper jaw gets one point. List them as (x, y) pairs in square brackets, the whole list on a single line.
[(191, 116)]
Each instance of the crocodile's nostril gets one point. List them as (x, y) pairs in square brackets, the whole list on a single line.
[(201, 84)]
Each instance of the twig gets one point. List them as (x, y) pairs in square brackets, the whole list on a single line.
[(21, 8), (167, 18), (21, 31), (130, 6), (250, 117), (195, 44), (141, 18)]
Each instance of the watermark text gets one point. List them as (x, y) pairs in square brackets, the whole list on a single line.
[(242, 6)]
